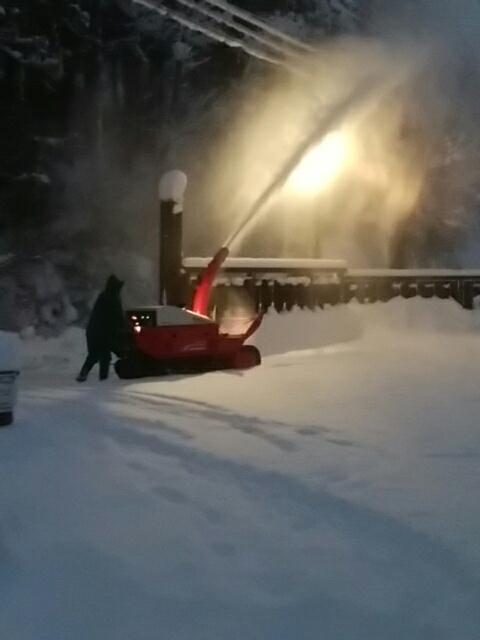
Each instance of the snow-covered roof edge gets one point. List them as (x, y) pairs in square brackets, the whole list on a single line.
[(288, 264)]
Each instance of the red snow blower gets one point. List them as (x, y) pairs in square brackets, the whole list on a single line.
[(166, 340)]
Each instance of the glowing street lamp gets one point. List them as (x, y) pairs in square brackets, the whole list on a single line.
[(320, 166)]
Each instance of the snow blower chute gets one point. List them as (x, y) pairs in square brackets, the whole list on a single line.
[(168, 340)]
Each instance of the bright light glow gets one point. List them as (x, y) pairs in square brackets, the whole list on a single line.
[(321, 165)]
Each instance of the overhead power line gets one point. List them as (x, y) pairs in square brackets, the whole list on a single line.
[(207, 31), (248, 17), (258, 35), (280, 54)]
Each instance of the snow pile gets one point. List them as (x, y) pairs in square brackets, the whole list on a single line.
[(61, 354), (46, 295), (34, 298), (300, 330), (417, 315)]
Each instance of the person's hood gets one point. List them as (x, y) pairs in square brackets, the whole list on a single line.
[(114, 285)]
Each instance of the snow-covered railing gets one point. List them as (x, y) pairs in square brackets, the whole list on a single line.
[(415, 273), (273, 265), (372, 285), (286, 283)]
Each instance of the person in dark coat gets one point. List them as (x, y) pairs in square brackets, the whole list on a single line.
[(104, 329)]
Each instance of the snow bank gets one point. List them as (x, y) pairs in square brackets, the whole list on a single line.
[(417, 315), (34, 297), (297, 330), (300, 330), (54, 354)]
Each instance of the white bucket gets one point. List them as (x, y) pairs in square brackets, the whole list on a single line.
[(9, 368), (8, 396)]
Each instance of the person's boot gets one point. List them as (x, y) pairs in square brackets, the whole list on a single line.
[(81, 377), (104, 367)]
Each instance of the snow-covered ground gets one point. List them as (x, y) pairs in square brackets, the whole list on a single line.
[(330, 494)]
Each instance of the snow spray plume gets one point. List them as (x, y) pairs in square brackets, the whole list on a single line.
[(277, 125), (332, 119), (412, 166)]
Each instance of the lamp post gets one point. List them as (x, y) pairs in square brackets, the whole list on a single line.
[(171, 190)]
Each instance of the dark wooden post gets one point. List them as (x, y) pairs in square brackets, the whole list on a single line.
[(171, 286), (468, 295)]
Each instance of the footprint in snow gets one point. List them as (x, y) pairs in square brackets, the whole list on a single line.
[(340, 443), (311, 431)]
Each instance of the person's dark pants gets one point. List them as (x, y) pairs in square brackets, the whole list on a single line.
[(102, 357)]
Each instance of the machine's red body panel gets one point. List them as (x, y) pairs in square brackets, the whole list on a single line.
[(190, 341), (176, 342), (168, 339)]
